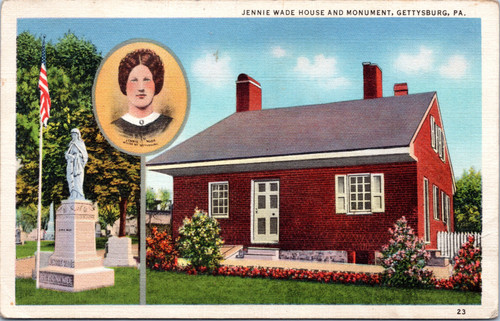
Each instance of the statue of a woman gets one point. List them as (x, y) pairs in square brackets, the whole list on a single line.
[(77, 157)]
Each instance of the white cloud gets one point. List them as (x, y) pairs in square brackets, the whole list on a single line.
[(415, 63), (213, 69), (455, 68), (278, 52), (322, 69)]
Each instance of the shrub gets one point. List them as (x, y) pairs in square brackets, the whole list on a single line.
[(200, 241), (160, 253), (404, 258), (467, 269)]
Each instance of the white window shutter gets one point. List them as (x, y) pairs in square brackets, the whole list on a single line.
[(442, 154), (377, 189), (433, 135), (340, 194)]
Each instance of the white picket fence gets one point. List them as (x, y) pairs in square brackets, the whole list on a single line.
[(450, 243)]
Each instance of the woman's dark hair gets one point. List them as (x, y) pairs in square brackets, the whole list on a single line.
[(144, 57)]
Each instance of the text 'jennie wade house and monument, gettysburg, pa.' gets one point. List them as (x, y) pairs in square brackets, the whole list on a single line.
[(327, 177)]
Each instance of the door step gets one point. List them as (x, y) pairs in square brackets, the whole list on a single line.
[(436, 259), (258, 253)]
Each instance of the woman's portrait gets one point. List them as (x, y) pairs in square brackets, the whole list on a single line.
[(141, 97), (140, 76)]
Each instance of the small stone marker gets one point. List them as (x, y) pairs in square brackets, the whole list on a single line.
[(119, 252), (49, 234)]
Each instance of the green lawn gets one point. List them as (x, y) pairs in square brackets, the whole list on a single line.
[(174, 288), (178, 288), (29, 247), (125, 291)]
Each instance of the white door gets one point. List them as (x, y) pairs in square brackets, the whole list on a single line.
[(266, 211)]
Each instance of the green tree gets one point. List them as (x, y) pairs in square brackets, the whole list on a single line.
[(111, 177), (467, 202), (164, 198), (150, 199)]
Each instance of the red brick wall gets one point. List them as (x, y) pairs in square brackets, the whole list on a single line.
[(438, 173), (307, 208)]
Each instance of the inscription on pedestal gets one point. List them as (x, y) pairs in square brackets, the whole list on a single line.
[(62, 262), (56, 278)]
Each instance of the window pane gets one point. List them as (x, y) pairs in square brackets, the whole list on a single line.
[(261, 226), (274, 187), (274, 201), (360, 179), (216, 210), (367, 196), (360, 205), (273, 225), (353, 206), (262, 187), (353, 197), (262, 201), (367, 206), (360, 188)]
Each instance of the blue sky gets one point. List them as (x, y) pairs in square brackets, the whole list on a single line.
[(301, 61)]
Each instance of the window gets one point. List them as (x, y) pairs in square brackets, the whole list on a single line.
[(437, 139), (359, 193), (427, 232), (219, 199), (435, 202)]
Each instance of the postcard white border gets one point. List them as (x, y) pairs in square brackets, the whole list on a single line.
[(11, 10)]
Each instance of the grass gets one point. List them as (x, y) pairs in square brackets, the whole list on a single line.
[(176, 288), (29, 247), (125, 291)]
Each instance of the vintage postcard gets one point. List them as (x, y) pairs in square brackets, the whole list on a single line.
[(249, 159)]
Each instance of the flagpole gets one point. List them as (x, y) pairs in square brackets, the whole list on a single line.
[(39, 218), (44, 102)]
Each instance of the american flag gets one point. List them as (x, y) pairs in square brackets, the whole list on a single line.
[(44, 90)]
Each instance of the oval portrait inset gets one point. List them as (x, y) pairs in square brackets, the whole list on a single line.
[(141, 97)]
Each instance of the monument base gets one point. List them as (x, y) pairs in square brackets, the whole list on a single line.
[(119, 252), (75, 280), (75, 265)]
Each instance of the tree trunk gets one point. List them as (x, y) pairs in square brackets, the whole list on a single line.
[(123, 216)]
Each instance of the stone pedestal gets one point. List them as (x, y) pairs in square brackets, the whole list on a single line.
[(75, 265), (119, 252)]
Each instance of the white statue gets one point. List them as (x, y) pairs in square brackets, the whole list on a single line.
[(77, 157)]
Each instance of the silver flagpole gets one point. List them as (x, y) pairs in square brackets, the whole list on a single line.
[(39, 218)]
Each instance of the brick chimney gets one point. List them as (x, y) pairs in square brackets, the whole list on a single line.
[(401, 89), (372, 81), (248, 94)]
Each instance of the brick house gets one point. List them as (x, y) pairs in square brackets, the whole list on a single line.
[(333, 176)]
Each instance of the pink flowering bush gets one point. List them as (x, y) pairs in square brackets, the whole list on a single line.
[(404, 258), (467, 270)]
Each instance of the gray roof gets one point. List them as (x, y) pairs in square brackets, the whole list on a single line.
[(342, 126)]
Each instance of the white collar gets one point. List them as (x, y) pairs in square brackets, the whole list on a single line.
[(141, 121)]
